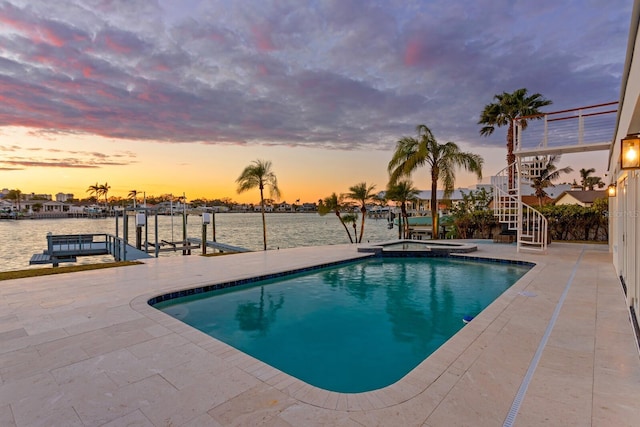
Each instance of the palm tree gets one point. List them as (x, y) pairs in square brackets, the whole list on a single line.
[(509, 106), (133, 194), (334, 204), (259, 174), (351, 218), (592, 181), (584, 177), (548, 172), (362, 194), (401, 193), (16, 196), (94, 190), (411, 153), (104, 191)]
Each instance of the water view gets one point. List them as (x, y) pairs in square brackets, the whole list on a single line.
[(21, 239)]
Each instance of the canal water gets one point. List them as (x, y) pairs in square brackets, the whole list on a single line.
[(20, 239)]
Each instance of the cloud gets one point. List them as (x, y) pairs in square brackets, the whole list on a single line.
[(338, 75), (63, 159)]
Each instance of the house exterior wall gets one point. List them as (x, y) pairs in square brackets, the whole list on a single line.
[(567, 199), (625, 207)]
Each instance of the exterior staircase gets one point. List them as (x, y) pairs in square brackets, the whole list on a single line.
[(567, 131), (530, 225)]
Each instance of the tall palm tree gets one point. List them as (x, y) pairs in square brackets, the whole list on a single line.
[(584, 177), (259, 174), (362, 194), (94, 190), (547, 173), (506, 108), (442, 159), (334, 204), (402, 192), (104, 191)]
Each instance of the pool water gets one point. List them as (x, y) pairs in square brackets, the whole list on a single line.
[(352, 328)]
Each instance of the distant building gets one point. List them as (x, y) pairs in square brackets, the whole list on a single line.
[(64, 197), (582, 198), (41, 196), (267, 208)]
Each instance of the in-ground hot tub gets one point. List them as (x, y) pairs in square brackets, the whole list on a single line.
[(410, 248)]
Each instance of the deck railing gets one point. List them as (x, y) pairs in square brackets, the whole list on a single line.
[(573, 130)]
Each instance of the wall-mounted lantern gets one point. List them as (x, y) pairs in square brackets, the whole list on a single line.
[(630, 158), (611, 190)]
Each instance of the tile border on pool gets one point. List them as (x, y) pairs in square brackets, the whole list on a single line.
[(438, 373), (232, 283), (494, 260), (239, 282)]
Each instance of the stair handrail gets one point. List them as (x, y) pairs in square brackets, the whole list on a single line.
[(530, 224)]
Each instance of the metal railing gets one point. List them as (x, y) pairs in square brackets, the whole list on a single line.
[(573, 130), (530, 225), (505, 204)]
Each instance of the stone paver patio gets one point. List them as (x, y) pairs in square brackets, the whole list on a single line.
[(86, 349)]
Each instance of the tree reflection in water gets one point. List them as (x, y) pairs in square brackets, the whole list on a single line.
[(408, 318), (353, 279), (252, 316)]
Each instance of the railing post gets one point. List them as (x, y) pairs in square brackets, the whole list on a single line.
[(545, 138), (519, 202), (580, 127), (49, 243)]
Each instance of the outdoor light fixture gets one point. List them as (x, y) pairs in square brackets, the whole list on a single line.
[(611, 190), (630, 158)]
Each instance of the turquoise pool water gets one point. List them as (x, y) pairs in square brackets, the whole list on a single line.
[(351, 328)]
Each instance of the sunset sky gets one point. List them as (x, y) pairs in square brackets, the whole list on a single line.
[(173, 96)]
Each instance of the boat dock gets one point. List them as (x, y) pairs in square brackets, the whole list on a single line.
[(67, 247)]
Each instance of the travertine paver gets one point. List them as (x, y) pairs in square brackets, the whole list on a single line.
[(86, 349)]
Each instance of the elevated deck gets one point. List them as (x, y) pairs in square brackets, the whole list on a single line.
[(576, 130)]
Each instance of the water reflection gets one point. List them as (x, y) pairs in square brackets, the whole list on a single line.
[(252, 316), (409, 321), (355, 280)]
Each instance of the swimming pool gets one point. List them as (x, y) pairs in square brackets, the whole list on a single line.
[(350, 328)]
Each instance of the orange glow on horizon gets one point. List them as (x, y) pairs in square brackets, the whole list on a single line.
[(196, 169)]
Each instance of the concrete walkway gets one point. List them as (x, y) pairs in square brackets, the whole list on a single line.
[(86, 349)]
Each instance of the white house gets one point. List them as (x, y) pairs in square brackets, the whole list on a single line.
[(582, 198), (63, 197)]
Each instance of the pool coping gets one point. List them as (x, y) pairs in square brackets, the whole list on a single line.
[(73, 351), (423, 378)]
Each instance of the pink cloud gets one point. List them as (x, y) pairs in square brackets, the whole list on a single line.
[(38, 32), (262, 36), (115, 46), (87, 71), (413, 52)]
